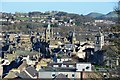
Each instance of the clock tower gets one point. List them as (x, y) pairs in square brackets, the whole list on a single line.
[(99, 41)]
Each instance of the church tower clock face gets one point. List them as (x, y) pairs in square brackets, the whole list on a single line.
[(97, 39), (97, 42)]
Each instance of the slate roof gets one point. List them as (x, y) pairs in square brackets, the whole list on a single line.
[(32, 71), (61, 77), (99, 34), (89, 49), (69, 46), (57, 69), (24, 75)]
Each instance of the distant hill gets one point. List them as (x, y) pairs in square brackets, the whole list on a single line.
[(111, 14), (102, 16), (95, 15)]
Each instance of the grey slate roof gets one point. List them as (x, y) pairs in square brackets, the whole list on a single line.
[(32, 71), (58, 69), (24, 75), (61, 77)]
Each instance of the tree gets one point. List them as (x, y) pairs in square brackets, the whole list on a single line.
[(117, 10), (117, 41)]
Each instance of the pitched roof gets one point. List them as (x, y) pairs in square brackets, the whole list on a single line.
[(23, 65), (24, 75), (32, 71), (11, 75), (29, 72), (99, 34), (58, 69), (61, 77)]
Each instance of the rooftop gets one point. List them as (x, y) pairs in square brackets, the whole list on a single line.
[(57, 69)]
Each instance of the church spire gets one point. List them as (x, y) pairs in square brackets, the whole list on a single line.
[(47, 32), (73, 37)]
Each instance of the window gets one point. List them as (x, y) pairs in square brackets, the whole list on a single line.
[(97, 42), (73, 75), (97, 38), (67, 75), (55, 65), (87, 67), (70, 65), (53, 75), (63, 65)]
